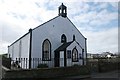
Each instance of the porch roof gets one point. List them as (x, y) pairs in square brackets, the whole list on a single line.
[(63, 46)]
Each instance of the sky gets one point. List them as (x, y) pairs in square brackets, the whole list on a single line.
[(97, 20)]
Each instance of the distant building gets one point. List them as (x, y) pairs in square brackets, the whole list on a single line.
[(102, 55), (89, 55), (56, 41), (109, 55)]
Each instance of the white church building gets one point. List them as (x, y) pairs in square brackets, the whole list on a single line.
[(57, 42)]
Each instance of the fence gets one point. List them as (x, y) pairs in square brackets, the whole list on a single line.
[(6, 62), (103, 65), (19, 63), (23, 63)]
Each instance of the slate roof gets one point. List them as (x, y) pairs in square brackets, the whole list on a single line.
[(63, 46), (43, 24)]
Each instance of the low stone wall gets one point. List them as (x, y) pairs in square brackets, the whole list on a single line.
[(48, 72), (6, 62), (108, 66), (104, 65)]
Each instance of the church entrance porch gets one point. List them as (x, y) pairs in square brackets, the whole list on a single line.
[(60, 58), (60, 55)]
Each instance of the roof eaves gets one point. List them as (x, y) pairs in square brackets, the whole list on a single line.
[(63, 46), (75, 27), (18, 39)]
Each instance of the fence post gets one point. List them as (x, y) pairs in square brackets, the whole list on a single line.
[(26, 63)]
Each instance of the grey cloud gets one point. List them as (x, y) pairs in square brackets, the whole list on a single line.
[(17, 15), (102, 41), (8, 33)]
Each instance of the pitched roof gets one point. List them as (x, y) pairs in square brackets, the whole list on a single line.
[(32, 30), (43, 24), (63, 46)]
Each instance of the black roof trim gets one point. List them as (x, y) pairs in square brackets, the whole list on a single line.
[(64, 46), (19, 39), (75, 26), (45, 22), (79, 45)]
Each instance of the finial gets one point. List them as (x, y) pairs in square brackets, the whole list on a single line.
[(30, 30)]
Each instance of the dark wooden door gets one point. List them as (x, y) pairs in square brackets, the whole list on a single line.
[(57, 59)]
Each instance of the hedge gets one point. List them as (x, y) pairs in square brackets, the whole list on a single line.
[(48, 72)]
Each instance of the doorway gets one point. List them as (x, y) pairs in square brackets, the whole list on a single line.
[(60, 59)]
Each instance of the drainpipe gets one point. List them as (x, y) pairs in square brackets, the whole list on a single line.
[(30, 48), (86, 50)]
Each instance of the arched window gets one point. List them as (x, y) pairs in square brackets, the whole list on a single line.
[(63, 38), (46, 50), (75, 55)]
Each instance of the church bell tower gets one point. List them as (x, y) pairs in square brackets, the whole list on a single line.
[(62, 10)]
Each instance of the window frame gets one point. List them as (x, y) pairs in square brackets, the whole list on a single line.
[(76, 58), (63, 38), (69, 54), (44, 58)]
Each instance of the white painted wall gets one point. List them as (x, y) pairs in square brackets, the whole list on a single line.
[(53, 31), (71, 47), (20, 49), (25, 46), (15, 51), (10, 51)]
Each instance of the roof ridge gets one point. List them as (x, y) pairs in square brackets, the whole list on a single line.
[(32, 30)]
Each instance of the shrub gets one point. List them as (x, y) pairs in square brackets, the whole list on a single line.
[(75, 65), (80, 69), (42, 66)]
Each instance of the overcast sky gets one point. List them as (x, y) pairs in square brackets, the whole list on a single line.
[(97, 21)]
